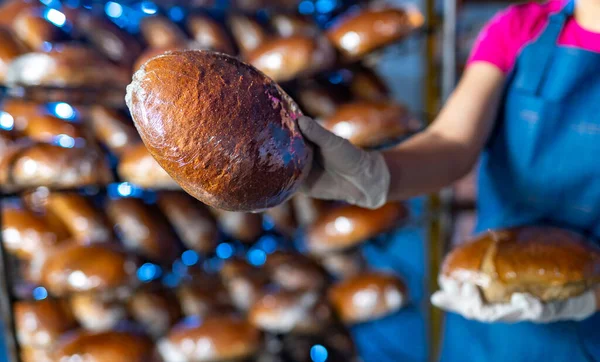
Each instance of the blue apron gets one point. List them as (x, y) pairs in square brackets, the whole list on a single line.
[(401, 336), (541, 166)]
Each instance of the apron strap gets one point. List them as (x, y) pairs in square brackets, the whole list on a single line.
[(544, 47)]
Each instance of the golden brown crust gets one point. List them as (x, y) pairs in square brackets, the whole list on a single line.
[(10, 48), (209, 34), (231, 338), (160, 32), (52, 166), (347, 226), (367, 296), (77, 268), (367, 30), (225, 118), (143, 230), (151, 53), (191, 220), (40, 323), (45, 128), (113, 129), (111, 346), (67, 65), (31, 27), (284, 59), (547, 262), (371, 124), (85, 223), (469, 256), (243, 226), (248, 33), (26, 234), (139, 167)]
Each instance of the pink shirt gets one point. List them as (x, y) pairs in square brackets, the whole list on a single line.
[(503, 38)]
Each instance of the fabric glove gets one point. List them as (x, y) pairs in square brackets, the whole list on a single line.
[(342, 171), (465, 299)]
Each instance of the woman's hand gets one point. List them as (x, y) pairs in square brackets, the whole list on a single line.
[(342, 171), (430, 160)]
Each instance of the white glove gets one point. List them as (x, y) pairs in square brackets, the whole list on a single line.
[(465, 299), (342, 171)]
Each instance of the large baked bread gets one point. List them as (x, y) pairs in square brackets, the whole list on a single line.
[(546, 262), (223, 130)]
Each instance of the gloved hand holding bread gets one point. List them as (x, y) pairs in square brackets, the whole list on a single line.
[(537, 274)]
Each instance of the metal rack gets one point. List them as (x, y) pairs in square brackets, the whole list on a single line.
[(446, 208), (6, 299)]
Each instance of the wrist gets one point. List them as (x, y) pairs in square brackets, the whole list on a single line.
[(380, 181)]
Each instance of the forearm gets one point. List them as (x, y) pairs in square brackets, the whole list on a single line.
[(426, 163), (449, 148), (597, 293)]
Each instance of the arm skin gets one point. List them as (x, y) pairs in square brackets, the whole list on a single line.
[(449, 148), (597, 292)]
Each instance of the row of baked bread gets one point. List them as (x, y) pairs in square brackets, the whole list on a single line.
[(290, 295), (98, 279), (42, 220), (291, 46)]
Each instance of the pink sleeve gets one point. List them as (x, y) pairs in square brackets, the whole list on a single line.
[(503, 38), (493, 45)]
